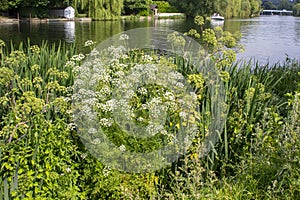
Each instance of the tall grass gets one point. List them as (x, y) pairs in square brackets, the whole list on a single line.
[(251, 159), (256, 155), (32, 78)]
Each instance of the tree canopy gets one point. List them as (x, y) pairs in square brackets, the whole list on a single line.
[(227, 8), (97, 9)]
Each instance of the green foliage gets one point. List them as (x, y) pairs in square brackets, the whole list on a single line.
[(256, 157), (193, 8), (285, 4), (296, 9), (137, 7), (229, 9), (105, 9), (165, 7), (4, 5), (41, 155), (268, 5)]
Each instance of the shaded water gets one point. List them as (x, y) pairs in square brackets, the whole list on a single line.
[(265, 38)]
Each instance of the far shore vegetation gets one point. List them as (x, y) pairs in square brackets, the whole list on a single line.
[(113, 9)]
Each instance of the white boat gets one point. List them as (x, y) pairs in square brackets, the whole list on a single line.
[(217, 17)]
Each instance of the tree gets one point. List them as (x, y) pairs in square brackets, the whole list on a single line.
[(268, 5), (296, 9), (100, 9), (193, 8), (285, 4), (136, 6), (4, 5), (255, 7), (228, 8), (105, 9)]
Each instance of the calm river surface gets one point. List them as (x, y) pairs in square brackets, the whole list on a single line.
[(265, 38)]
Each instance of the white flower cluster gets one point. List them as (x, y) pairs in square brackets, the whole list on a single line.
[(147, 58), (122, 148), (106, 122), (115, 89), (96, 141), (106, 171), (169, 96), (116, 53), (70, 64), (89, 43), (92, 131), (95, 53), (124, 37), (78, 57), (153, 129), (142, 91)]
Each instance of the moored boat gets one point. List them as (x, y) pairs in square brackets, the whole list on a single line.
[(217, 17)]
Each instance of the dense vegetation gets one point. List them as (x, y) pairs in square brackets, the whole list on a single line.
[(230, 8), (296, 8), (256, 155), (282, 4), (112, 9)]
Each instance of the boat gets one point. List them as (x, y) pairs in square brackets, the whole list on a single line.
[(217, 17)]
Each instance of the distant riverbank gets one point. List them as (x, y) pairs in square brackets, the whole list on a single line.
[(87, 19), (14, 20)]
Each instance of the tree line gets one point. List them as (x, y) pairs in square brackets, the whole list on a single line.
[(293, 5), (227, 8), (112, 9)]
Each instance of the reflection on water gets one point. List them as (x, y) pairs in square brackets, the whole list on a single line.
[(215, 23), (266, 38), (69, 28), (269, 38)]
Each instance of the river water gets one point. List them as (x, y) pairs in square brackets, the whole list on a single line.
[(265, 38)]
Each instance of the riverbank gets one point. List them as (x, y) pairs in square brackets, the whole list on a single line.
[(158, 16), (8, 20), (87, 19), (37, 20)]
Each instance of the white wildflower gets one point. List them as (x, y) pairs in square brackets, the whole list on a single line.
[(76, 69), (153, 129), (144, 106), (72, 126), (95, 53), (68, 170), (119, 74), (147, 58), (96, 141), (122, 148), (124, 37), (105, 122), (106, 171), (179, 85), (169, 96), (92, 131), (142, 91), (105, 90), (183, 114), (140, 119), (70, 64), (78, 57), (89, 43), (83, 156)]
